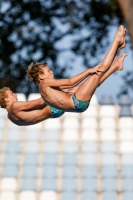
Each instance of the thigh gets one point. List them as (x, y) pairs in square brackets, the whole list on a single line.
[(87, 88)]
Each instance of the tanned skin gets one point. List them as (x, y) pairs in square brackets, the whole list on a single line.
[(31, 112), (117, 65), (51, 89), (26, 113)]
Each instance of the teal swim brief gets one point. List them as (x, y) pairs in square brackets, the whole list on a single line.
[(80, 106), (56, 112)]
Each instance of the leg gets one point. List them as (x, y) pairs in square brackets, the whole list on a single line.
[(118, 43), (86, 90), (94, 80), (116, 65)]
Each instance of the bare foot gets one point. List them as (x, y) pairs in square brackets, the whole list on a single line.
[(118, 62), (124, 43), (120, 37)]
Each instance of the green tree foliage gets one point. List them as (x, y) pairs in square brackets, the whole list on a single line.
[(37, 30)]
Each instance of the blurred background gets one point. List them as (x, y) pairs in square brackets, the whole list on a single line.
[(81, 156), (69, 35)]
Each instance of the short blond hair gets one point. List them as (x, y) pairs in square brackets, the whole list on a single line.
[(3, 95), (33, 71)]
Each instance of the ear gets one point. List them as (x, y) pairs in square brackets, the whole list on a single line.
[(6, 99), (41, 76)]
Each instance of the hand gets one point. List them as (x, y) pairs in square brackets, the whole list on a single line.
[(94, 70)]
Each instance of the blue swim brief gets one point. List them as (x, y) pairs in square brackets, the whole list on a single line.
[(56, 112), (80, 106)]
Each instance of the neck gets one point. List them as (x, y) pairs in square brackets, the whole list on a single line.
[(8, 107)]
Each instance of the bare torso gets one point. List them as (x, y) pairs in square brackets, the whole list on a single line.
[(29, 117), (55, 97)]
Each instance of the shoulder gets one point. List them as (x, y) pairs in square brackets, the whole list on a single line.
[(45, 83), (16, 105)]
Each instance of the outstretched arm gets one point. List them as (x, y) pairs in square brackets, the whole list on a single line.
[(71, 82), (28, 105)]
